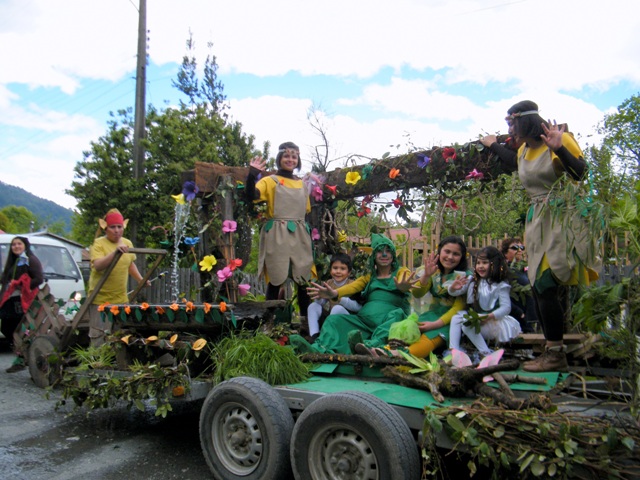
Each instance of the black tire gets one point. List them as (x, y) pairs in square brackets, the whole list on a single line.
[(353, 435), (44, 358), (245, 431)]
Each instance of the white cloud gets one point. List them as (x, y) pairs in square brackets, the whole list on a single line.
[(542, 50)]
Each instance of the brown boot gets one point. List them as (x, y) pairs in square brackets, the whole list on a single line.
[(549, 361)]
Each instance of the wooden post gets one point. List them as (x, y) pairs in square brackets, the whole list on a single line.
[(228, 249)]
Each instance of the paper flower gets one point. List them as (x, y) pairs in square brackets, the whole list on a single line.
[(449, 154), (423, 160), (364, 210), (394, 172), (316, 193), (235, 263), (243, 289), (315, 235), (191, 241), (342, 236), (223, 307), (366, 171), (352, 178), (207, 307), (159, 310), (224, 274), (175, 307), (398, 203), (127, 310), (179, 198), (115, 310), (332, 188), (229, 226), (474, 174), (207, 263), (102, 307), (189, 306), (189, 190), (144, 306), (451, 204)]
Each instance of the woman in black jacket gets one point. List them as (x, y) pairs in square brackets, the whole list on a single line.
[(21, 277)]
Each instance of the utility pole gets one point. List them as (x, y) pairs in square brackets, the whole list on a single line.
[(139, 132)]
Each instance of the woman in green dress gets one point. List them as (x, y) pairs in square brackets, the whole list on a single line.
[(441, 268), (386, 295)]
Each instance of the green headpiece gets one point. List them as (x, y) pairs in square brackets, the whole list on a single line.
[(378, 242)]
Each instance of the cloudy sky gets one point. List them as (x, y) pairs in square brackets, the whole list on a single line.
[(420, 72)]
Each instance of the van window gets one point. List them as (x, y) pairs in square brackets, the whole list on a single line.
[(57, 262)]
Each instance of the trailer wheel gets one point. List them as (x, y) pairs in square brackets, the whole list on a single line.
[(43, 359), (353, 435), (245, 431)]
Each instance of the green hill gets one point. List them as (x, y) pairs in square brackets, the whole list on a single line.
[(46, 210)]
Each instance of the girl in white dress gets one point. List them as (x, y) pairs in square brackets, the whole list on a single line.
[(488, 295)]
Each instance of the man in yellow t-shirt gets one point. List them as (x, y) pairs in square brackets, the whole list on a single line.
[(114, 290)]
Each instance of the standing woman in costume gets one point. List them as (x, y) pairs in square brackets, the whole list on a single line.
[(285, 242), (560, 248), (114, 290), (21, 277)]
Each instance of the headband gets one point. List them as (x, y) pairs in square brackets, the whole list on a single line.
[(113, 218), (521, 114)]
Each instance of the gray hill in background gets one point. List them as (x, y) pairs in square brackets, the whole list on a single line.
[(46, 210)]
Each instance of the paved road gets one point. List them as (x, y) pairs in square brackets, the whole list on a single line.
[(38, 442)]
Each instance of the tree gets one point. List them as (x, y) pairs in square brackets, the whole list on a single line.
[(621, 132), (20, 219), (6, 224), (176, 138)]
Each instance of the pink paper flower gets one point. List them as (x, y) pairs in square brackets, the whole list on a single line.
[(315, 235), (224, 274), (474, 174), (316, 193), (243, 289), (229, 226)]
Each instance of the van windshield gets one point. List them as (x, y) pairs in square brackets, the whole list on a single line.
[(57, 262)]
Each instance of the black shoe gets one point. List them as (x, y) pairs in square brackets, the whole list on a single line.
[(15, 368)]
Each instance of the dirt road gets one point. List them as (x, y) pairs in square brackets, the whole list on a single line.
[(38, 442)]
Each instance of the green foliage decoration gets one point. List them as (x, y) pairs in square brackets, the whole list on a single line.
[(256, 355), (530, 444)]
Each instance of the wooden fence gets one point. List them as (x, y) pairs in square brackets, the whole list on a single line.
[(410, 254)]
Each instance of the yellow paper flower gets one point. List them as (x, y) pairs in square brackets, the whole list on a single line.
[(199, 344), (179, 198), (352, 178), (342, 236), (207, 263)]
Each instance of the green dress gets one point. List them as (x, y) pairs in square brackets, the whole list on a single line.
[(384, 305), (442, 304)]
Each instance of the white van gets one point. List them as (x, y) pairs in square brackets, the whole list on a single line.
[(59, 268)]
